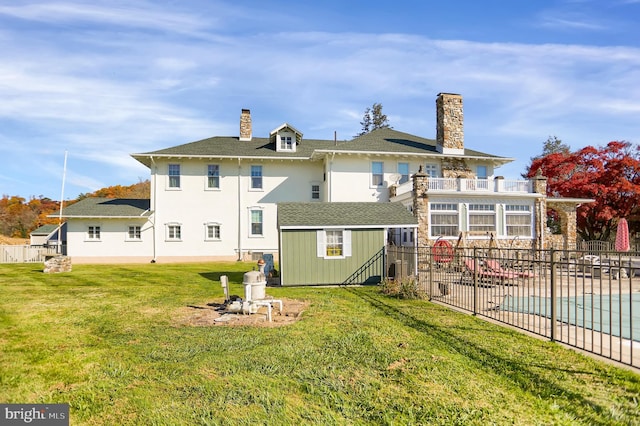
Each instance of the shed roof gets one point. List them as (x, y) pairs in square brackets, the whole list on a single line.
[(345, 214), (107, 208), (44, 230)]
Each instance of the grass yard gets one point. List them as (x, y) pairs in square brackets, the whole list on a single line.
[(105, 339)]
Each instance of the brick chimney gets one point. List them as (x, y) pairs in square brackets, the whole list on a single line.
[(449, 124), (245, 125)]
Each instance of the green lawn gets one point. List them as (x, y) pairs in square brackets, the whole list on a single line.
[(104, 339)]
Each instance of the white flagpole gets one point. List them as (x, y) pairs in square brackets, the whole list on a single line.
[(64, 175)]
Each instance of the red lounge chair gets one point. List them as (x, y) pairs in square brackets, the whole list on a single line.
[(494, 265), (473, 267)]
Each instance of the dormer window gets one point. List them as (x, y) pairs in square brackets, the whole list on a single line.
[(285, 143), (286, 138)]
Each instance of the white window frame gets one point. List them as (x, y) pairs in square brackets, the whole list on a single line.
[(259, 177), (251, 233), (431, 170), (173, 179), (93, 233), (137, 233), (286, 142), (316, 194), (404, 177), (377, 176), (322, 243), (518, 210), (444, 209), (478, 210), (212, 181), (170, 231), (216, 227)]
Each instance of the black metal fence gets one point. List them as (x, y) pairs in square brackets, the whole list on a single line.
[(585, 299)]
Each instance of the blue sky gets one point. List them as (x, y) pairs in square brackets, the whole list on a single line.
[(104, 79)]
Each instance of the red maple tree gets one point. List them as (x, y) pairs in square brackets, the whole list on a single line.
[(608, 174)]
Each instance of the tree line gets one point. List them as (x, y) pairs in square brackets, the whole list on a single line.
[(19, 216)]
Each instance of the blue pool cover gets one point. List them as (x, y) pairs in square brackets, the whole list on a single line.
[(615, 314)]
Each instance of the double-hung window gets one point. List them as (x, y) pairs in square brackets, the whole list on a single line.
[(482, 218), (377, 173), (444, 220), (315, 192), (213, 176), (174, 175), (334, 243), (403, 171), (93, 233), (256, 177), (482, 180), (518, 220), (256, 218)]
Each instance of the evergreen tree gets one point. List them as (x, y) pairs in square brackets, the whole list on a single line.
[(373, 119)]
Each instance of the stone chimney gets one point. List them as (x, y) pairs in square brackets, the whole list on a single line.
[(449, 124), (245, 125)]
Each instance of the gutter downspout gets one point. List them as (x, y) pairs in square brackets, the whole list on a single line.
[(239, 211), (329, 178), (152, 218)]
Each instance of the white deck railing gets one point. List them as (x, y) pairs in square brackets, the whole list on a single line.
[(471, 185)]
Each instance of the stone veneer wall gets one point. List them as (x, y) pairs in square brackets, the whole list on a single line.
[(568, 226), (245, 125), (456, 168), (449, 121)]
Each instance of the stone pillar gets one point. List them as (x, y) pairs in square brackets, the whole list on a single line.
[(568, 224), (421, 206), (245, 125), (539, 186), (539, 183)]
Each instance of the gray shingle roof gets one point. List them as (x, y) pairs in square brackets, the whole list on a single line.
[(107, 207), (348, 214), (389, 140), (380, 140), (44, 230)]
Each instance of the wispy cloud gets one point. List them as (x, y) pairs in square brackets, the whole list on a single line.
[(568, 23), (141, 15), (146, 77)]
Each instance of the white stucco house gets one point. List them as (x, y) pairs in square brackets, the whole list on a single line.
[(216, 198)]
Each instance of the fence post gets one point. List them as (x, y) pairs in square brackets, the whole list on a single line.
[(554, 284), (431, 289), (475, 281)]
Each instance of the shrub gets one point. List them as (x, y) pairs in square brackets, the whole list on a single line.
[(406, 288)]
